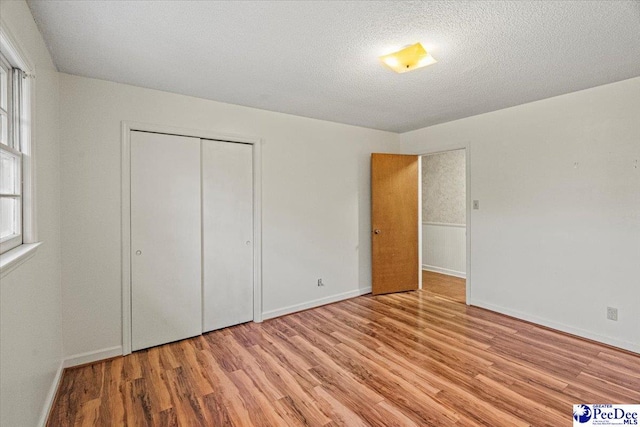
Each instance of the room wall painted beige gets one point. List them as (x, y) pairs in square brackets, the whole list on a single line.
[(315, 200), (30, 295), (557, 237)]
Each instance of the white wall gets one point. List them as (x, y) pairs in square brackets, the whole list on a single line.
[(30, 295), (557, 237), (315, 200), (444, 248)]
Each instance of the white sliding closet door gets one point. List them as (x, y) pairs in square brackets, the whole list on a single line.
[(166, 275), (227, 196)]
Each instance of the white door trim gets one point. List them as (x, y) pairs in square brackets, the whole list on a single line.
[(467, 154), (125, 184)]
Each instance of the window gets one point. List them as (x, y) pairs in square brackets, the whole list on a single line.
[(11, 156)]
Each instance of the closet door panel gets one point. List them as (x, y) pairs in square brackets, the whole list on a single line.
[(227, 191), (166, 264)]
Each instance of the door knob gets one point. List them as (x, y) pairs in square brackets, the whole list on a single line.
[(248, 242), (376, 231), (138, 252)]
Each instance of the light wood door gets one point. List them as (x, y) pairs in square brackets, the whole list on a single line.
[(227, 208), (165, 239), (394, 220)]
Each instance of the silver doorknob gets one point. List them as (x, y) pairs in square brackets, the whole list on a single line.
[(138, 252), (248, 242), (376, 231)]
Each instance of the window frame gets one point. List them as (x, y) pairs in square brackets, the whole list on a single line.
[(15, 56), (11, 147), (6, 67), (14, 240)]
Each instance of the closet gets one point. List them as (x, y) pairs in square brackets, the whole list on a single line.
[(227, 211), (191, 236)]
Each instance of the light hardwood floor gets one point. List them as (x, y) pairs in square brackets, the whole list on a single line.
[(410, 359), (450, 287)]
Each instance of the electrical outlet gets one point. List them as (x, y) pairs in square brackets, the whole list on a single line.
[(320, 282), (612, 313)]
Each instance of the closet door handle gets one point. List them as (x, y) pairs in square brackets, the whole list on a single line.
[(138, 252)]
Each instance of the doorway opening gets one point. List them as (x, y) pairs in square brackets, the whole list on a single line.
[(444, 224)]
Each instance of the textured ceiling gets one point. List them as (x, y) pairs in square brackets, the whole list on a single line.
[(319, 59)]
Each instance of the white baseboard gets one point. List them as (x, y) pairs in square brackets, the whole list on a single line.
[(48, 403), (75, 360), (460, 274), (625, 345), (92, 356), (315, 303)]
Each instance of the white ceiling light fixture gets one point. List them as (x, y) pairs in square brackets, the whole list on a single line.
[(409, 58)]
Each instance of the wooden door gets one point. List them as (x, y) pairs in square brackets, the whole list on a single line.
[(227, 224), (394, 219), (165, 239)]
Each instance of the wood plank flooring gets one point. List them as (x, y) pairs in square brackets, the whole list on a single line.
[(410, 359), (450, 287)]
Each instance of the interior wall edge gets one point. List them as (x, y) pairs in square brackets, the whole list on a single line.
[(51, 395), (582, 333), (446, 271), (315, 303), (91, 356)]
